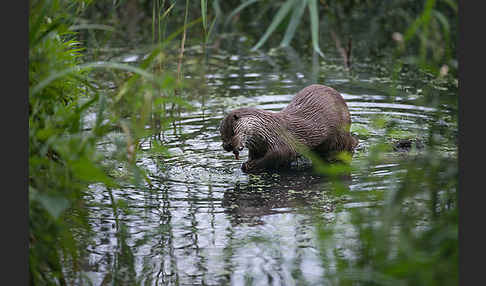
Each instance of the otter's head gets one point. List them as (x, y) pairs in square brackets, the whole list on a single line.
[(232, 141)]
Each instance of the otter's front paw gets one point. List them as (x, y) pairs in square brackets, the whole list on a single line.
[(251, 167), (244, 167), (247, 166)]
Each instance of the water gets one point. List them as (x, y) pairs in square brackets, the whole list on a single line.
[(205, 222)]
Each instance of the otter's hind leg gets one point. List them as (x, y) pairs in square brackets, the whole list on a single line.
[(330, 149)]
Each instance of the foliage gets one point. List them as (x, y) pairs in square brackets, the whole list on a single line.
[(412, 238), (52, 113), (290, 8), (132, 17), (368, 27), (423, 33), (64, 152)]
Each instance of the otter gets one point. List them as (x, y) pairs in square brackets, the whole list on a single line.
[(317, 119)]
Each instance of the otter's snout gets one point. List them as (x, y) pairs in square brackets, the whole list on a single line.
[(227, 147)]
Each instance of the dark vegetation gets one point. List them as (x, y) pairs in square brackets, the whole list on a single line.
[(410, 240)]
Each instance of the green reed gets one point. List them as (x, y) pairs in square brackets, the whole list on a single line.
[(412, 237), (64, 152)]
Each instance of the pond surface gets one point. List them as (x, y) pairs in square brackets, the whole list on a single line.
[(205, 222)]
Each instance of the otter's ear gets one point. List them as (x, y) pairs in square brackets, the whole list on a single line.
[(235, 117)]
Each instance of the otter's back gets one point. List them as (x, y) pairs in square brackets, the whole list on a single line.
[(323, 110)]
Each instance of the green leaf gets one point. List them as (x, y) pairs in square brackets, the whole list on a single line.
[(158, 148), (86, 170), (46, 133), (400, 134), (361, 130), (50, 29), (54, 205)]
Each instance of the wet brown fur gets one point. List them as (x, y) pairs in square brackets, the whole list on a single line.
[(317, 119)]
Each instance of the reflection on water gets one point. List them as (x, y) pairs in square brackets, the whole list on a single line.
[(203, 221)]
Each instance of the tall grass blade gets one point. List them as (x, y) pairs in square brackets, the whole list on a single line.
[(217, 9), (181, 30), (238, 10), (282, 12), (314, 16), (421, 20), (167, 11), (451, 4), (294, 23), (183, 41), (446, 30), (443, 21), (218, 13), (204, 9), (211, 27), (154, 9)]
